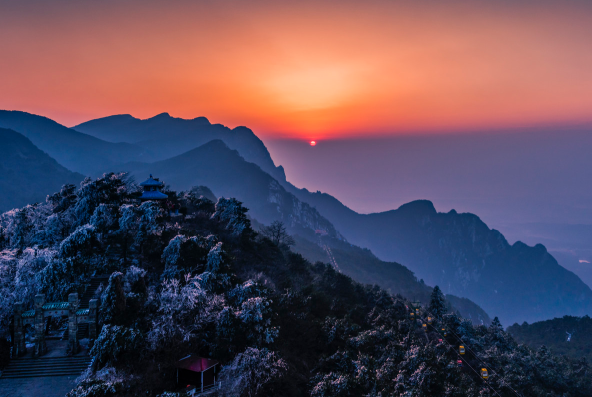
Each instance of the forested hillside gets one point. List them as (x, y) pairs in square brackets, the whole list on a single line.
[(206, 283), (363, 266), (567, 335)]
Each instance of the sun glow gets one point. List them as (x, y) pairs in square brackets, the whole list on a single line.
[(302, 69), (314, 87)]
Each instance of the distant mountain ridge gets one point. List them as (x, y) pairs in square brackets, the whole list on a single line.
[(74, 150), (464, 257), (27, 174), (166, 136)]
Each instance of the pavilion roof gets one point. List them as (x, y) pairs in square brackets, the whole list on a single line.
[(151, 182), (195, 363), (56, 305), (153, 195)]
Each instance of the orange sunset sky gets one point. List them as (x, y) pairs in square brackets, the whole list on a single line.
[(305, 69)]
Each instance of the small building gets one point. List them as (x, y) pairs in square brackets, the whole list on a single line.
[(197, 371), (152, 187)]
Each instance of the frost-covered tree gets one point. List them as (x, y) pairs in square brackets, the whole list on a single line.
[(104, 218), (104, 383), (185, 255), (113, 304), (251, 373), (178, 305), (233, 215), (200, 199), (81, 243), (19, 227), (117, 345), (64, 199), (134, 280), (111, 188), (137, 224), (252, 312), (76, 262)]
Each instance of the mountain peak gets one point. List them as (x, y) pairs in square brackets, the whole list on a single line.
[(164, 115), (418, 206), (202, 120)]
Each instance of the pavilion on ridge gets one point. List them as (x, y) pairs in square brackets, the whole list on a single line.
[(152, 187)]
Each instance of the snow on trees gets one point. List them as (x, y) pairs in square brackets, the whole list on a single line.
[(194, 255), (64, 199), (111, 188), (134, 280), (180, 289), (76, 262), (104, 217), (116, 343), (232, 213), (112, 310), (179, 305), (171, 255), (251, 371), (105, 382), (80, 243)]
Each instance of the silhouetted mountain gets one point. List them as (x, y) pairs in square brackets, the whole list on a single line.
[(167, 136), (74, 150), (28, 175), (462, 255), (228, 174), (555, 333)]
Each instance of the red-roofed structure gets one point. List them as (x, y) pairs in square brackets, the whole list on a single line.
[(197, 371)]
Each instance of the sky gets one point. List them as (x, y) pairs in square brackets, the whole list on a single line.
[(305, 70), (483, 106)]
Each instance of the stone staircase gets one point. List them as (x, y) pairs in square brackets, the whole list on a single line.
[(89, 294), (46, 366)]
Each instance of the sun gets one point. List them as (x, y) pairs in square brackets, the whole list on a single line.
[(313, 143)]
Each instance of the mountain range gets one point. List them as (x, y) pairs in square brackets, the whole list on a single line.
[(27, 174), (74, 150), (165, 137), (455, 251)]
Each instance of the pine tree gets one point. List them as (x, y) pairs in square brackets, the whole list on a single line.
[(437, 303)]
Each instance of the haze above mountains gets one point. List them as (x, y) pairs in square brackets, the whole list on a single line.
[(456, 251), (532, 184)]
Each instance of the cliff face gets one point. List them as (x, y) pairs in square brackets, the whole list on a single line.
[(298, 214), (464, 257)]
